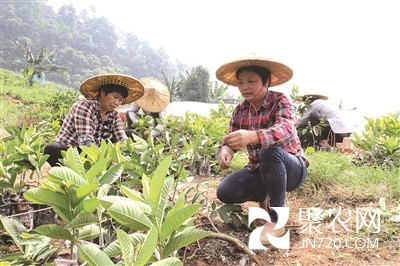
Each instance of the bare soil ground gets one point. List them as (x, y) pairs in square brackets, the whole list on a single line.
[(336, 241)]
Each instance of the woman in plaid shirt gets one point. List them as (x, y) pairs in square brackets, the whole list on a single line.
[(94, 118), (264, 124)]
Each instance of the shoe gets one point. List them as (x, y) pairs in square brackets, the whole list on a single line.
[(268, 229)]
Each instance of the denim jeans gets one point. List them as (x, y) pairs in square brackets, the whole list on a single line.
[(279, 172)]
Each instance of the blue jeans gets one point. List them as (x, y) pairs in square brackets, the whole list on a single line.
[(279, 172)]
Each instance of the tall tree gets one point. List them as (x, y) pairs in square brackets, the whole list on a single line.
[(39, 64), (197, 85)]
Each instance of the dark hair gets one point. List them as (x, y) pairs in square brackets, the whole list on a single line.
[(108, 88), (263, 72)]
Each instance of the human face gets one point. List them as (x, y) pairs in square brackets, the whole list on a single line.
[(251, 87), (110, 101)]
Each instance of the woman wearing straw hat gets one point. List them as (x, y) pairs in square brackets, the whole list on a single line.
[(264, 123), (155, 99), (319, 111), (94, 117)]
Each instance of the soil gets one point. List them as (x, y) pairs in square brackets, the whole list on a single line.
[(363, 248)]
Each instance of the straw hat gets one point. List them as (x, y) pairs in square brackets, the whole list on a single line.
[(90, 87), (156, 95), (313, 97), (279, 72)]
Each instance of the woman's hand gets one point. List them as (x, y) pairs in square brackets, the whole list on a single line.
[(225, 157), (241, 138)]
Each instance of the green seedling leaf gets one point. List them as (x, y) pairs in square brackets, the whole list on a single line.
[(54, 231), (48, 197), (176, 220), (94, 256), (149, 245), (130, 216), (184, 240)]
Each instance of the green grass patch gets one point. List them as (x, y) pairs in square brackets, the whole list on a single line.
[(18, 99), (334, 169)]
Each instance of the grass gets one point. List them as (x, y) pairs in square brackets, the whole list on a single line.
[(336, 169), (17, 98), (330, 170)]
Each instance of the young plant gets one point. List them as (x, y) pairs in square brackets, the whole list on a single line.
[(33, 248), (168, 226), (20, 154), (71, 194)]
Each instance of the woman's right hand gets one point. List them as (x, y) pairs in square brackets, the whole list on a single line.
[(225, 157)]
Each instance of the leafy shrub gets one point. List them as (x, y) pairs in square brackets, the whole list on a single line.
[(380, 141)]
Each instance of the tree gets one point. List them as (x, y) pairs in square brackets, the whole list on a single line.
[(218, 94), (174, 87), (197, 85), (39, 64)]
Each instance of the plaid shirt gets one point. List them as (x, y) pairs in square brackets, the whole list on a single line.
[(274, 123), (83, 125)]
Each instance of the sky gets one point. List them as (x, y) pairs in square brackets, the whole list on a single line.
[(348, 50)]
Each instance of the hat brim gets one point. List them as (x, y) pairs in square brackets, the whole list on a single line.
[(314, 96), (90, 88), (280, 73), (156, 95)]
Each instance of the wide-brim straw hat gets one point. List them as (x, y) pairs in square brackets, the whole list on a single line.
[(280, 73), (314, 97), (156, 95), (90, 88)]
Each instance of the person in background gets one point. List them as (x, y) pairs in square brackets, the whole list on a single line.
[(155, 99), (264, 124), (318, 111), (94, 117)]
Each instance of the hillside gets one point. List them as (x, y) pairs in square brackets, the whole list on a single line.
[(70, 46)]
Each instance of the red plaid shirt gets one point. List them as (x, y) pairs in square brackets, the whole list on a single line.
[(274, 123), (83, 125)]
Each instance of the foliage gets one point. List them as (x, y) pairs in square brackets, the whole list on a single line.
[(218, 93), (31, 105), (308, 133), (94, 194), (21, 152), (233, 214), (56, 107), (334, 170), (71, 192), (196, 86), (175, 87), (85, 44), (380, 141), (33, 248), (168, 225), (40, 63), (192, 140)]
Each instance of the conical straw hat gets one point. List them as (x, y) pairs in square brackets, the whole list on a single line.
[(280, 73), (90, 88), (156, 95)]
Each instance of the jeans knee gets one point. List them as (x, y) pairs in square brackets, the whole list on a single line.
[(222, 194), (269, 153), (49, 148)]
